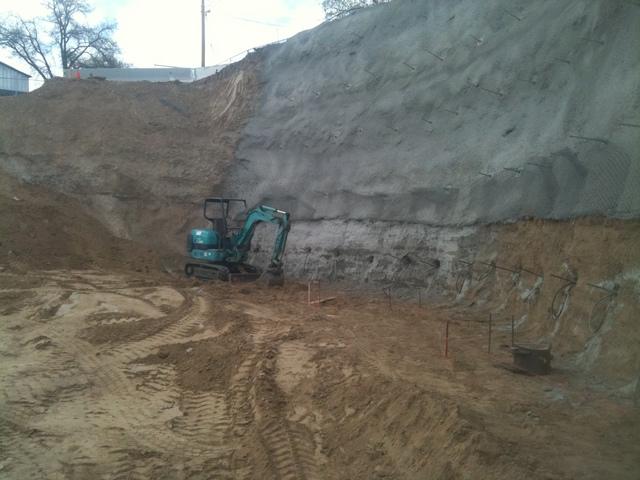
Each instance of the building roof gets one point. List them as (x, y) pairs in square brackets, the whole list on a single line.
[(15, 69)]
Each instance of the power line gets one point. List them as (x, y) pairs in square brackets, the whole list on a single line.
[(251, 20), (276, 25)]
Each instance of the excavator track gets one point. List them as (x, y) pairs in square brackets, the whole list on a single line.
[(213, 271), (207, 271)]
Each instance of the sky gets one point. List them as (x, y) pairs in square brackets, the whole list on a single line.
[(167, 32)]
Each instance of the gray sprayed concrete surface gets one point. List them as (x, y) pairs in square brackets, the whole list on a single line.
[(446, 113)]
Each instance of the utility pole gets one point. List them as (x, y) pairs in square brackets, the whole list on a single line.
[(203, 13)]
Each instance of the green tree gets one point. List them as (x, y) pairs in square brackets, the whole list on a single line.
[(62, 38)]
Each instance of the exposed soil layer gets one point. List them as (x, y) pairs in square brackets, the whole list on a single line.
[(573, 284), (265, 386), (139, 156), (41, 228)]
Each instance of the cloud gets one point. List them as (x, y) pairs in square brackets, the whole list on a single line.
[(23, 8), (167, 32)]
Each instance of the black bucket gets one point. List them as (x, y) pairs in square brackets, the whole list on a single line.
[(532, 358)]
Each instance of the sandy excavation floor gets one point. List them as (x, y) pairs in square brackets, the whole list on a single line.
[(112, 376)]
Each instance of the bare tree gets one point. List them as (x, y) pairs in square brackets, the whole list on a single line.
[(101, 59), (340, 8), (62, 37), (22, 38)]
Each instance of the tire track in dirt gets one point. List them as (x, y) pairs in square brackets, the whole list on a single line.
[(136, 411), (205, 421), (291, 450), (205, 424), (241, 390), (136, 394), (257, 400), (18, 448), (56, 378), (178, 324), (240, 395), (205, 417), (290, 446), (26, 383), (155, 384), (199, 427), (112, 375), (187, 320), (132, 464)]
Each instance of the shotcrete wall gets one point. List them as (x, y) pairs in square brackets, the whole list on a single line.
[(446, 114)]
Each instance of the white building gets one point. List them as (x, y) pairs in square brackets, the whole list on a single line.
[(12, 81), (164, 74)]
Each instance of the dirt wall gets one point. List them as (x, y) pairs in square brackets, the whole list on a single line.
[(42, 230), (140, 156)]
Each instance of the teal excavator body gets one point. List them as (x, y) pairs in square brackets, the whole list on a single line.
[(221, 252)]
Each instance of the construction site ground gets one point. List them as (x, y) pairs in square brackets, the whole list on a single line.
[(111, 375)]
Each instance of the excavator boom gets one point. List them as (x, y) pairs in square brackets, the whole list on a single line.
[(258, 215)]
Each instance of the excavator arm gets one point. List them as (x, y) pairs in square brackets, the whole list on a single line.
[(263, 213)]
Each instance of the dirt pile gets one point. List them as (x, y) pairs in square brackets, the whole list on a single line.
[(42, 230), (139, 156), (206, 365)]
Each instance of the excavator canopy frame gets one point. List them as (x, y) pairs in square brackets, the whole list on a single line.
[(221, 222), (224, 203)]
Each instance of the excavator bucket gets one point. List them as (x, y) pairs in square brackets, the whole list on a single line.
[(273, 277)]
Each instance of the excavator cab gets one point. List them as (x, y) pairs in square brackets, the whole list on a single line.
[(222, 250), (219, 211)]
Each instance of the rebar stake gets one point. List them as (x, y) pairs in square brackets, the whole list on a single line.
[(446, 340), (513, 331), (490, 325)]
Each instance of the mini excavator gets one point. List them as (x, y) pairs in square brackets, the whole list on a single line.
[(220, 252)]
